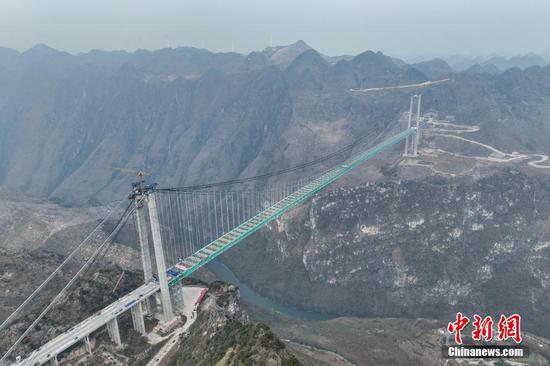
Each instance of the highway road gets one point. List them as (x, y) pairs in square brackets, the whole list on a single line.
[(406, 86), (86, 327)]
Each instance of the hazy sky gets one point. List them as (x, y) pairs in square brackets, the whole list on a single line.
[(401, 28)]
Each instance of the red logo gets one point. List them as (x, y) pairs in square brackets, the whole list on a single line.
[(457, 326), (508, 328), (482, 328)]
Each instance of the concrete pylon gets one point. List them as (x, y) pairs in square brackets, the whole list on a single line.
[(114, 332), (417, 134), (177, 297), (144, 246), (53, 361), (88, 344), (137, 318), (167, 311), (143, 241), (412, 141), (409, 124)]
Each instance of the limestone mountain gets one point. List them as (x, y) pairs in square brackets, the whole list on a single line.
[(434, 69), (65, 120)]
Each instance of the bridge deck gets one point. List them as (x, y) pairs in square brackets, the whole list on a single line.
[(228, 240), (86, 327), (206, 254)]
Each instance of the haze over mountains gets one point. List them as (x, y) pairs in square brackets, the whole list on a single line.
[(394, 240), (66, 120), (460, 62)]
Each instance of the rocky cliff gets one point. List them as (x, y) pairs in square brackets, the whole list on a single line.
[(223, 335), (422, 248)]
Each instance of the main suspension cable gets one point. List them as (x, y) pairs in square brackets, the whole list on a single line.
[(314, 162)]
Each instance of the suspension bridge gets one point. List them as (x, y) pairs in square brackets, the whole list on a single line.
[(188, 227)]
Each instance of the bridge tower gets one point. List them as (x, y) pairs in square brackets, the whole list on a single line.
[(143, 195), (139, 202), (411, 142), (166, 302)]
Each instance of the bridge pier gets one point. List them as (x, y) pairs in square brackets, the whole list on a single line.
[(53, 361), (177, 297), (88, 344), (167, 311), (114, 332), (137, 318)]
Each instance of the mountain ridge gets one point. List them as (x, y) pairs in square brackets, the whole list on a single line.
[(65, 120)]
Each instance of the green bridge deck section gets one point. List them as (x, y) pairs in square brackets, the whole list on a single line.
[(247, 228)]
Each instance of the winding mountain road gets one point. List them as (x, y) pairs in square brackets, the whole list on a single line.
[(446, 130)]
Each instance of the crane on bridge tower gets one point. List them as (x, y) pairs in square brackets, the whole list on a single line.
[(139, 187)]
